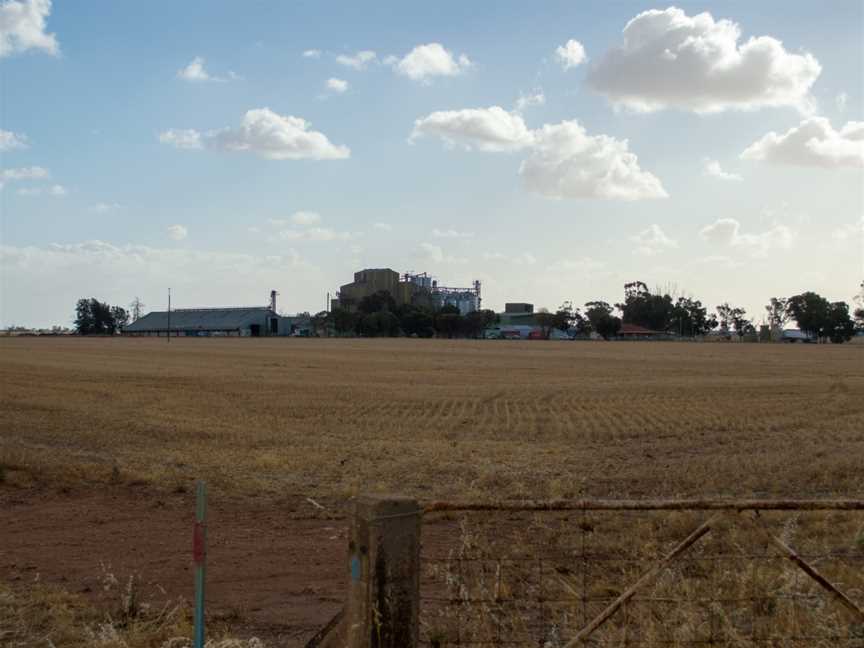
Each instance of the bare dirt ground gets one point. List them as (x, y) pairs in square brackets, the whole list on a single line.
[(275, 570)]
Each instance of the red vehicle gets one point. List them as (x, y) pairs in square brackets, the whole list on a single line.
[(536, 335)]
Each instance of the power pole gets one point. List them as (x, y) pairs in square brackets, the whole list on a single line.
[(169, 315)]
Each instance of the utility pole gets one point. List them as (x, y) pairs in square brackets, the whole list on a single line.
[(169, 315)]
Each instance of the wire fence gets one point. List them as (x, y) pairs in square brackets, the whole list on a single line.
[(616, 575)]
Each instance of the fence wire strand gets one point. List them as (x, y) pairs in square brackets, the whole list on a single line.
[(538, 578)]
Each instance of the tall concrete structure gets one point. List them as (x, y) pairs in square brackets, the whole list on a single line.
[(416, 289)]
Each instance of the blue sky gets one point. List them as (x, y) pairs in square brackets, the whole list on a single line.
[(632, 166)]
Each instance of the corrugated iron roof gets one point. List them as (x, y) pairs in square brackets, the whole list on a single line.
[(635, 329), (202, 319)]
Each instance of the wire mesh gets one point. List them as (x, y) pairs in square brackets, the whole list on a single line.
[(537, 578)]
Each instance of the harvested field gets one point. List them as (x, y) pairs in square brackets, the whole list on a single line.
[(435, 419), (101, 439)]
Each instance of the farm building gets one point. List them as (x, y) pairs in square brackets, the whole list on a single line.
[(794, 335), (636, 332), (206, 322)]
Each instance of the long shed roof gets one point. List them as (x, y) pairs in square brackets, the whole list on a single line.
[(201, 319)]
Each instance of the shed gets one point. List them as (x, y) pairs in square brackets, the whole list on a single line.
[(209, 322)]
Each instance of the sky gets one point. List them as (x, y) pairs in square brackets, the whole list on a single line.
[(554, 151)]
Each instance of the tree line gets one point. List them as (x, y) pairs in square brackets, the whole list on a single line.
[(687, 317), (378, 315)]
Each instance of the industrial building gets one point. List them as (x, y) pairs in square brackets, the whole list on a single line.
[(416, 289), (253, 321)]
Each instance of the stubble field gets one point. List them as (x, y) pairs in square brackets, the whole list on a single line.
[(102, 439), (435, 419)]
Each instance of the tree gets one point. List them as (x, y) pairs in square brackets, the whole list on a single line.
[(859, 311), (476, 322), (93, 317), (119, 319), (377, 302), (547, 322), (690, 318), (731, 318), (777, 313), (810, 311), (448, 321), (599, 314), (839, 326), (321, 322), (415, 320), (137, 309), (380, 324), (642, 308), (344, 321)]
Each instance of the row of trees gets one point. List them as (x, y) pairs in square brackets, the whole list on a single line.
[(378, 316), (685, 316)]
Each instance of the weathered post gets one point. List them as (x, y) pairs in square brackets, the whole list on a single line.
[(383, 573), (199, 557)]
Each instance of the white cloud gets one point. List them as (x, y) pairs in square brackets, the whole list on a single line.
[(849, 231), (571, 54), (435, 254), (114, 272), (104, 208), (566, 162), (384, 227), (494, 256), (525, 258), (337, 85), (24, 173), (265, 133), (180, 138), (653, 241), (358, 61), (54, 190), (670, 60), (22, 27), (177, 232), (726, 232), (451, 233), (487, 129), (563, 160), (314, 234), (312, 53), (427, 61), (537, 98), (305, 218), (812, 143), (712, 169), (196, 72), (10, 141)]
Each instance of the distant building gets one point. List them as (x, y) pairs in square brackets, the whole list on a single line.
[(518, 307), (207, 322), (636, 332), (415, 289), (794, 335)]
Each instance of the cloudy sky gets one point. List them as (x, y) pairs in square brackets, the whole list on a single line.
[(225, 149)]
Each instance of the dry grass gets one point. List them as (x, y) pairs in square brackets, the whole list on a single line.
[(435, 419), (549, 574), (49, 617)]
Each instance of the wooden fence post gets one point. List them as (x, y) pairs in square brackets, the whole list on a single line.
[(383, 573)]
